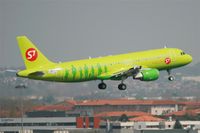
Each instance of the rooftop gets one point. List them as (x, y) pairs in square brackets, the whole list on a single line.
[(125, 102), (52, 108), (185, 112), (191, 103), (119, 113), (145, 118)]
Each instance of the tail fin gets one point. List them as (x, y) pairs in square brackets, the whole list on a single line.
[(31, 54)]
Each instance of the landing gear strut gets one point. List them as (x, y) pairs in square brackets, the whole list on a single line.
[(171, 77), (102, 86)]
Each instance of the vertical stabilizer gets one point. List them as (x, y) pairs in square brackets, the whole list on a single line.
[(31, 54)]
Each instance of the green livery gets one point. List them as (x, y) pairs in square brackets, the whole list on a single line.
[(143, 65)]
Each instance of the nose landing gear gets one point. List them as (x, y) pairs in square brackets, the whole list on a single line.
[(171, 77)]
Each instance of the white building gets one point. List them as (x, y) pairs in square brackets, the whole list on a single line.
[(30, 124)]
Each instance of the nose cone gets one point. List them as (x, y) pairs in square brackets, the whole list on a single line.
[(188, 59)]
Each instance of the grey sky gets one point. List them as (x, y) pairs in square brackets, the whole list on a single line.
[(65, 30)]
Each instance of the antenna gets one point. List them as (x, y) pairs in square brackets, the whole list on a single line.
[(165, 45)]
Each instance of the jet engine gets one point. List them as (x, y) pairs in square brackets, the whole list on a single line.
[(147, 75)]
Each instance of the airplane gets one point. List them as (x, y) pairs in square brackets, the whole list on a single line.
[(143, 65)]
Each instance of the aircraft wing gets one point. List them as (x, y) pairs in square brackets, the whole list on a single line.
[(120, 72)]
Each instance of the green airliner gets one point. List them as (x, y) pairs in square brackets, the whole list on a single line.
[(143, 65)]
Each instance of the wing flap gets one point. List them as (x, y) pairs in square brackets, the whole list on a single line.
[(119, 72)]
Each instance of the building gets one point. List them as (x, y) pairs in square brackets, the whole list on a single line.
[(156, 126), (64, 109), (193, 112), (190, 105), (93, 107), (30, 124), (146, 118), (154, 107)]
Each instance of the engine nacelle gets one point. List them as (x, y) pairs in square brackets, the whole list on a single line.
[(147, 75)]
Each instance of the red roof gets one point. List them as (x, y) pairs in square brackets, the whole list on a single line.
[(119, 113), (125, 102), (145, 118), (197, 111), (191, 103), (9, 113), (71, 102), (67, 105), (178, 113), (184, 112), (52, 108)]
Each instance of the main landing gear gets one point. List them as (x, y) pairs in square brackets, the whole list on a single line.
[(103, 86), (122, 86), (171, 77)]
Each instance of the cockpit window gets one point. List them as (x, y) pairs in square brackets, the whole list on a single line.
[(182, 53)]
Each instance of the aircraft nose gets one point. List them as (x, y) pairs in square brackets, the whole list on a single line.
[(189, 59)]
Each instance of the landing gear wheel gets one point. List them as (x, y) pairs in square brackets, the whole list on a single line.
[(171, 78), (122, 86), (102, 86)]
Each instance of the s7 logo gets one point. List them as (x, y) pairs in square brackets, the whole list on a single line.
[(31, 54)]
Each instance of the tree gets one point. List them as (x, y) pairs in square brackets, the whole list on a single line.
[(49, 99), (178, 125), (123, 118)]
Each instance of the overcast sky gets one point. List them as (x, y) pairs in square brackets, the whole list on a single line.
[(66, 30)]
